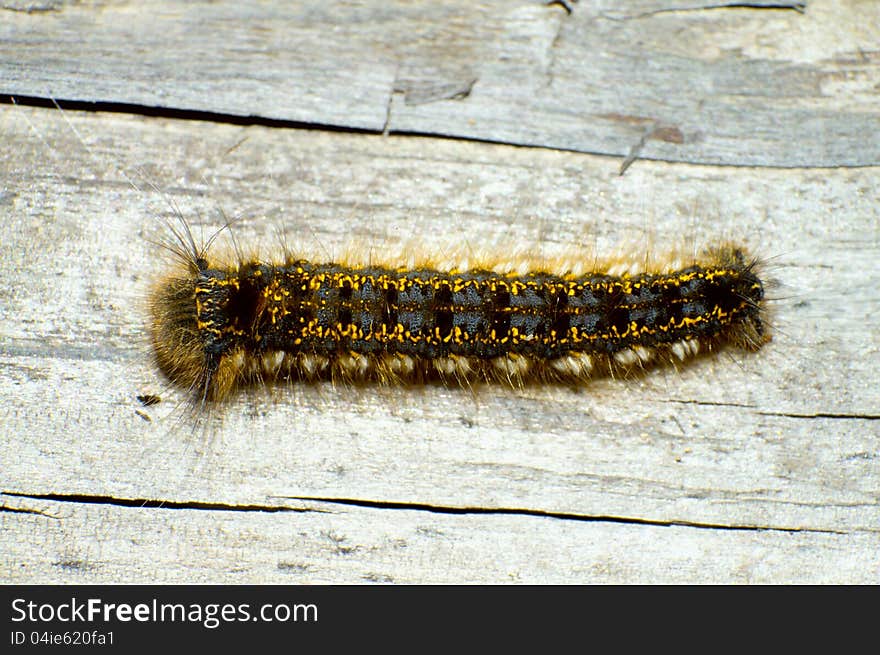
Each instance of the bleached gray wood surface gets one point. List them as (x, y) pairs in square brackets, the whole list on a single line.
[(741, 468), (691, 81)]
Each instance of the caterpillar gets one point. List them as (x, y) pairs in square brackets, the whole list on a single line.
[(220, 323)]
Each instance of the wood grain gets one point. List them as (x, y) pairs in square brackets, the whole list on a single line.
[(701, 82), (740, 468)]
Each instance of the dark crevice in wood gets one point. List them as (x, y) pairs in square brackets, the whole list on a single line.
[(799, 7), (145, 503), (256, 121), (25, 510), (814, 415), (173, 113), (566, 5), (567, 516), (663, 133), (832, 415), (710, 403)]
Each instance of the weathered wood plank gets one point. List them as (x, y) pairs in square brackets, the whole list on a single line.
[(679, 81), (93, 543), (785, 441)]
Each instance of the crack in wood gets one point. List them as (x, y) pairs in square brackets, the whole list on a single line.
[(26, 510), (831, 415), (799, 7), (151, 111), (146, 503), (566, 5), (857, 416), (389, 106), (143, 503), (709, 403), (567, 516)]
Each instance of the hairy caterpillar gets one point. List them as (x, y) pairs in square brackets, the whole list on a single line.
[(217, 325), (507, 321)]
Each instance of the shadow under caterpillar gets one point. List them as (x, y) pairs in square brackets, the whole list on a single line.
[(221, 323)]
